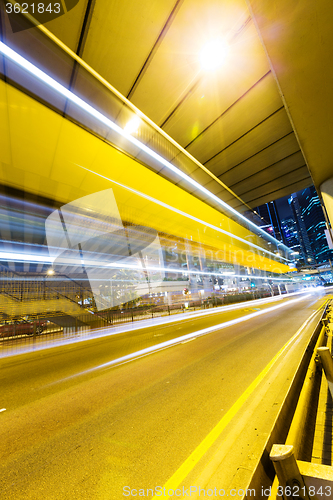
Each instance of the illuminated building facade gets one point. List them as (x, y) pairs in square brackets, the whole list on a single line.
[(310, 222)]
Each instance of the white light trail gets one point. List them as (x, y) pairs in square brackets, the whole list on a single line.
[(188, 216), (184, 338), (33, 258), (41, 75), (159, 321), (25, 257)]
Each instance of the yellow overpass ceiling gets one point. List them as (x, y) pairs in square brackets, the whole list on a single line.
[(232, 120), (298, 38)]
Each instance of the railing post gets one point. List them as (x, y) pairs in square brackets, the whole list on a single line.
[(292, 485), (327, 362)]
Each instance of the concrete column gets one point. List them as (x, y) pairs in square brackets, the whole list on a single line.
[(326, 190), (292, 485)]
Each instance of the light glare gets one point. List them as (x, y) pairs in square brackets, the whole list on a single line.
[(213, 55), (133, 125)]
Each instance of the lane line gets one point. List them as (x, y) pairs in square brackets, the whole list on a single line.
[(178, 340), (2, 409), (187, 466)]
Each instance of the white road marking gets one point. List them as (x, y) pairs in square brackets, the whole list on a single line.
[(178, 340), (190, 340)]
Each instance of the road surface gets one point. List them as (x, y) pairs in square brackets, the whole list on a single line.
[(108, 417)]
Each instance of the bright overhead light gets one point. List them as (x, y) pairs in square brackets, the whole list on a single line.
[(41, 75), (133, 125), (50, 272), (213, 54)]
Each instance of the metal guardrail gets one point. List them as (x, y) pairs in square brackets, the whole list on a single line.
[(261, 479), (327, 362), (289, 482)]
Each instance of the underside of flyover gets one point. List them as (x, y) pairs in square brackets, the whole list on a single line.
[(257, 123)]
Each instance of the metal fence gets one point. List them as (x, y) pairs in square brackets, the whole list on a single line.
[(45, 332)]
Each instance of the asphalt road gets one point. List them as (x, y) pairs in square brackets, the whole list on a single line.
[(82, 421)]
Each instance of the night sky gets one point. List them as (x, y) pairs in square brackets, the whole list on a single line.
[(283, 207)]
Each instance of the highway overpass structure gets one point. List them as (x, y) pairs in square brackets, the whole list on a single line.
[(130, 170)]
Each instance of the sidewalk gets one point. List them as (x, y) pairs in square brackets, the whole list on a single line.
[(322, 452)]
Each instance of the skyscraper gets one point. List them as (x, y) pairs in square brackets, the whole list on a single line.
[(289, 229), (303, 237), (307, 212), (270, 214), (313, 217)]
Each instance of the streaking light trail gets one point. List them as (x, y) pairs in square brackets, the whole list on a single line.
[(41, 75), (180, 212), (42, 259), (170, 343)]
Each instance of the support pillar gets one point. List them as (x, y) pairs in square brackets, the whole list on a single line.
[(291, 482)]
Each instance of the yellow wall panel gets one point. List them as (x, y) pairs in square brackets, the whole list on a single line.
[(5, 153), (71, 135), (33, 138), (64, 192), (12, 176), (65, 172)]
